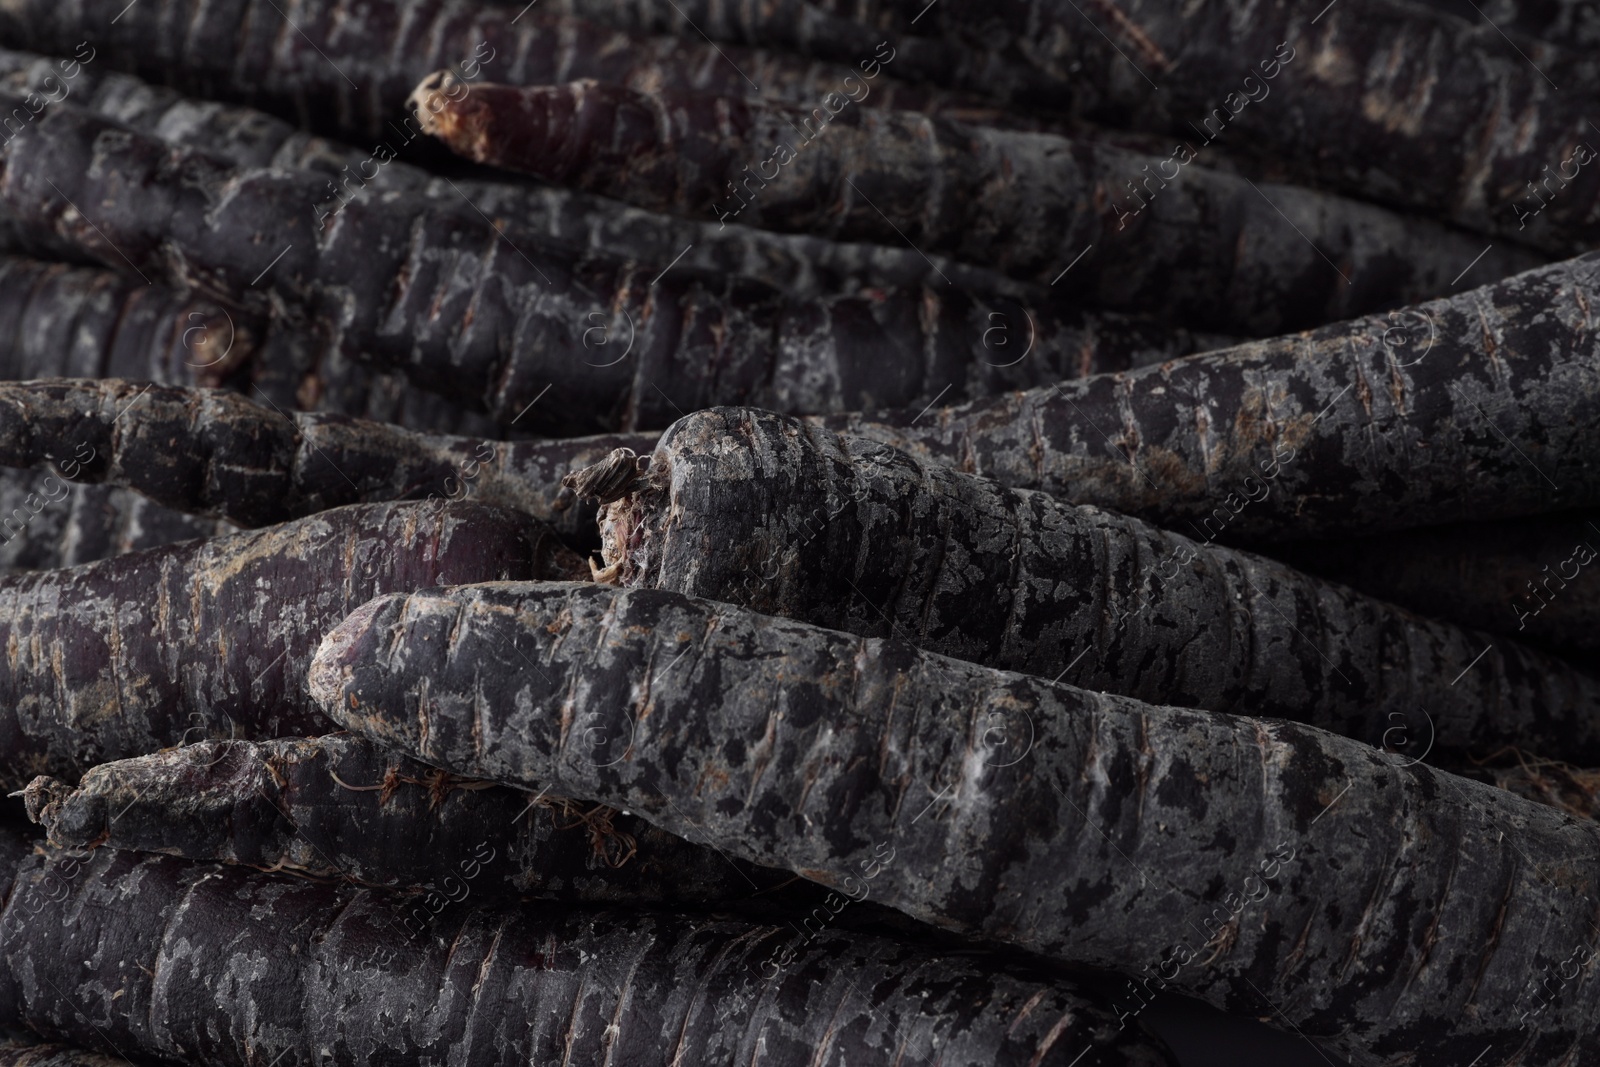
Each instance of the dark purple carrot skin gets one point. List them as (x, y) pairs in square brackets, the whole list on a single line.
[(49, 521), (330, 981), (1214, 250), (1532, 579), (86, 321), (63, 321), (17, 842), (349, 66), (1362, 427), (211, 638), (1387, 102), (829, 31), (341, 807), (104, 521), (67, 322), (180, 339), (1570, 23), (60, 321), (1052, 55), (1085, 826), (789, 519), (466, 310), (251, 138), (214, 452), (337, 383)]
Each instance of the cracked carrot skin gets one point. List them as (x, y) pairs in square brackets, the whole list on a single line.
[(248, 137), (348, 66), (1532, 579), (1210, 248), (789, 519), (488, 318), (211, 638), (339, 806), (1398, 913), (177, 338), (216, 453), (1481, 406), (317, 974)]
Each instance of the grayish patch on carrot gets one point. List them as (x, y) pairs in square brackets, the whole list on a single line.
[(318, 973), (1123, 828)]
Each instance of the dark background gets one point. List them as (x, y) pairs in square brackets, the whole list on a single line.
[(1201, 1036)]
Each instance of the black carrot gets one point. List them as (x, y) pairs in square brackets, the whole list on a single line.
[(252, 138), (216, 453), (321, 974), (17, 842), (1484, 405), (47, 521), (1390, 102), (1215, 250), (345, 67), (1270, 868), (211, 638), (60, 321), (833, 31), (340, 806), (484, 315), (789, 519), (65, 321), (1532, 579)]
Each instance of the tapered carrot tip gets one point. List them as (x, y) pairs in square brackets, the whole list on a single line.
[(342, 649)]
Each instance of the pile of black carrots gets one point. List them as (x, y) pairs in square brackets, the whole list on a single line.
[(797, 533)]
